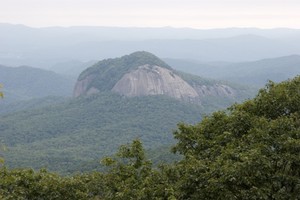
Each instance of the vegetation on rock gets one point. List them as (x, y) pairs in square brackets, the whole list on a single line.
[(142, 74)]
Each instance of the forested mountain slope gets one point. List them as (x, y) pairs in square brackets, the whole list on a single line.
[(61, 136), (144, 74), (106, 111), (250, 151), (21, 83)]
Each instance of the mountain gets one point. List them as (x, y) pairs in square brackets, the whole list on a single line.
[(100, 33), (7, 107), (143, 74), (45, 47), (71, 133), (68, 134), (252, 73), (23, 83), (259, 72)]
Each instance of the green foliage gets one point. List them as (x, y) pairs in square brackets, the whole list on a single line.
[(108, 72), (276, 100), (105, 74), (32, 104), (65, 137), (249, 152), (28, 184), (132, 177), (23, 83)]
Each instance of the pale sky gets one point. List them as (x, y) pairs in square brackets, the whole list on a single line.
[(153, 13)]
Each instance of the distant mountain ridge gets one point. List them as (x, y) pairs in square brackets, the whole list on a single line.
[(24, 82), (142, 74), (45, 47), (252, 73), (71, 68)]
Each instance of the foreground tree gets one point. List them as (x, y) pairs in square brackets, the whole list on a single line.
[(252, 151), (131, 176), (28, 184)]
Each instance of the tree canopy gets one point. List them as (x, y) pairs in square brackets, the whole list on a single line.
[(250, 151)]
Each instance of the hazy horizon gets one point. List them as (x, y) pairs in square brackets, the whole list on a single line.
[(265, 14), (55, 31), (145, 27)]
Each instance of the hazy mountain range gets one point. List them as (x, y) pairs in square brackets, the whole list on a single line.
[(64, 133), (45, 47), (256, 73), (24, 83), (133, 96)]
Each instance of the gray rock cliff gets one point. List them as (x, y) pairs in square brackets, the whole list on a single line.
[(143, 74)]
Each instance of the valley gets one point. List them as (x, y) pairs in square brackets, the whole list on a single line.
[(162, 100), (64, 133), (114, 102)]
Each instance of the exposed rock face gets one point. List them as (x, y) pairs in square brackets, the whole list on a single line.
[(215, 90), (154, 80), (143, 74), (81, 87)]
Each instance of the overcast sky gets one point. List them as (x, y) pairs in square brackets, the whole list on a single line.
[(153, 13)]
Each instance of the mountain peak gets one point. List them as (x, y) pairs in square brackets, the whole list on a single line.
[(103, 75), (140, 58), (141, 74)]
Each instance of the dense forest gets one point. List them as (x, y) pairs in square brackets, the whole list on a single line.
[(249, 151), (66, 134)]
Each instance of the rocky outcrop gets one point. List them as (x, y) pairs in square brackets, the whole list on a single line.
[(143, 74), (154, 80), (215, 90), (82, 87)]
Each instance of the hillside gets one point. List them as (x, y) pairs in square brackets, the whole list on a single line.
[(249, 151), (144, 74), (259, 72), (71, 68), (68, 134), (23, 83), (255, 73), (7, 107), (64, 134)]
